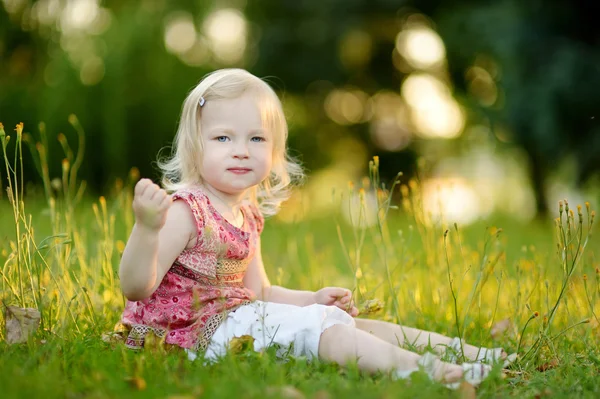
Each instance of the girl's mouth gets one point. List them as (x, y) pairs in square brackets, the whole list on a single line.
[(239, 171)]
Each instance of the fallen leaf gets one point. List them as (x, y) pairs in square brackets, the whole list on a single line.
[(548, 365), (466, 391), (21, 323), (136, 383), (112, 337), (500, 328), (371, 306)]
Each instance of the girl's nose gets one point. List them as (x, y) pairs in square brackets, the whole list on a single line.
[(240, 150)]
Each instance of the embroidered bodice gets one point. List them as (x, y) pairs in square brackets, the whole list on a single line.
[(203, 284)]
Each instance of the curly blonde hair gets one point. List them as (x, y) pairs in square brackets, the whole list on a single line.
[(182, 168)]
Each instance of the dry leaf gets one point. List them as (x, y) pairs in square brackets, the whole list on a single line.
[(371, 306), (286, 392), (466, 391), (548, 365), (500, 328), (112, 337), (136, 383), (241, 344), (20, 323)]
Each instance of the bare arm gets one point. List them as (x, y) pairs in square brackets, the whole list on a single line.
[(162, 230)]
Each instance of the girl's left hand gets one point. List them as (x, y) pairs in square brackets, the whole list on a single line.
[(335, 296)]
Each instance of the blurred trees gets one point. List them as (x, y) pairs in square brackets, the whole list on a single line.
[(125, 80), (548, 60)]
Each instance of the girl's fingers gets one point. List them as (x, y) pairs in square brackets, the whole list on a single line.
[(141, 186), (166, 201), (349, 308)]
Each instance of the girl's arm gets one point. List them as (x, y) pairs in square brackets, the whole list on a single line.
[(161, 232)]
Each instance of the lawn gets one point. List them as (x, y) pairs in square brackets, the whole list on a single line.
[(531, 288)]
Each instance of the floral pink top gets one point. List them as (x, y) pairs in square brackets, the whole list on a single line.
[(203, 284)]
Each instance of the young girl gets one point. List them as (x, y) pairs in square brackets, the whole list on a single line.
[(192, 269)]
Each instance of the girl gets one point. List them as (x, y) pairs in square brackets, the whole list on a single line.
[(192, 269)]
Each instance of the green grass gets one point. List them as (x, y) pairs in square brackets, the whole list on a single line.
[(59, 252)]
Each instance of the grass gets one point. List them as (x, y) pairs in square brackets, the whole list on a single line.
[(59, 253)]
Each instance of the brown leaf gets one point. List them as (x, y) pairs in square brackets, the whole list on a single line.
[(21, 323), (371, 306), (136, 383), (466, 391), (112, 337), (553, 363), (500, 328)]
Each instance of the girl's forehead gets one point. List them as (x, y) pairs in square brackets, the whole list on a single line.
[(245, 110)]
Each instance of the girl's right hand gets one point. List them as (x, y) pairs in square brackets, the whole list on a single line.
[(150, 205)]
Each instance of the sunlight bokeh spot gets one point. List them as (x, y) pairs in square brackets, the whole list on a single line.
[(482, 85), (347, 107), (46, 11), (226, 31), (14, 6), (390, 123), (450, 200), (180, 32), (78, 14), (421, 46), (435, 113), (92, 71), (360, 210)]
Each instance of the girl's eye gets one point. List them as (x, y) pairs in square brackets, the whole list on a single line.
[(258, 139), (222, 139)]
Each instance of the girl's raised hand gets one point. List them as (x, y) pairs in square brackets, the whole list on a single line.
[(150, 205), (336, 296)]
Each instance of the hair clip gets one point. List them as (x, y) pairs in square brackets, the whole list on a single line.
[(201, 101)]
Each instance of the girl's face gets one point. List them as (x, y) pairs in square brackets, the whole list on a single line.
[(238, 152)]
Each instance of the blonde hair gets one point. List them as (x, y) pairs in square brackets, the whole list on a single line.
[(182, 169)]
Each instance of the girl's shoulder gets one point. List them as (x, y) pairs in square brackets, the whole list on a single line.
[(196, 200), (255, 215)]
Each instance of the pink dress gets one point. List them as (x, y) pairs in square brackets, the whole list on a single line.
[(204, 283)]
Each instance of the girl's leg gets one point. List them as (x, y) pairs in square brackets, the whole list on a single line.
[(343, 344), (399, 335)]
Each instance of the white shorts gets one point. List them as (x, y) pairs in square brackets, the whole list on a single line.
[(295, 330)]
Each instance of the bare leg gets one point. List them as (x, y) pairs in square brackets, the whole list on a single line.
[(400, 335), (343, 344)]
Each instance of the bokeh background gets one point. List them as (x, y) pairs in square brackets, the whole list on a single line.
[(492, 104)]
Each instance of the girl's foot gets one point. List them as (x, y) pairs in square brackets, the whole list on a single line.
[(449, 374), (473, 353)]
